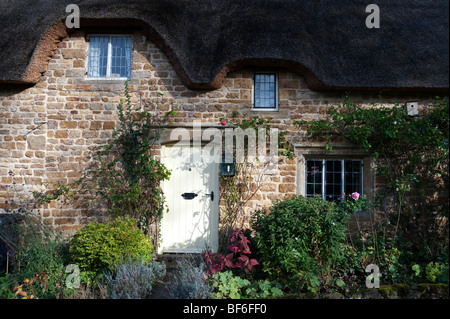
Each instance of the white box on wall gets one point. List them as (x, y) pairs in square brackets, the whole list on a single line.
[(412, 108)]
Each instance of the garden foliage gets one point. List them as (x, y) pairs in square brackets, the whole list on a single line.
[(238, 255), (101, 245), (229, 286), (238, 189), (125, 177), (36, 253), (302, 244), (189, 280), (130, 178), (301, 240), (133, 278), (412, 155)]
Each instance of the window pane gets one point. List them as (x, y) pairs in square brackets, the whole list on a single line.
[(121, 56), (264, 87), (353, 176), (309, 190), (337, 172), (98, 56), (313, 178), (333, 179)]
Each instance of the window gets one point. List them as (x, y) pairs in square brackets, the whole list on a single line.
[(330, 178), (110, 57), (265, 91)]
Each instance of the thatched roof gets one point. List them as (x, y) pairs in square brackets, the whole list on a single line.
[(326, 41)]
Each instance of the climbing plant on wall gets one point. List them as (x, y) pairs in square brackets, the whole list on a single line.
[(239, 188), (125, 177), (412, 156)]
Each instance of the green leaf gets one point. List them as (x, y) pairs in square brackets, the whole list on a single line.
[(340, 282)]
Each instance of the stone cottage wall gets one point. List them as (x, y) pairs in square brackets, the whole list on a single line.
[(47, 131)]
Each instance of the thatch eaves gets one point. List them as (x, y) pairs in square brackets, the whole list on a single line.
[(326, 41)]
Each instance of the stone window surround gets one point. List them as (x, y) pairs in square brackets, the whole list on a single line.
[(312, 152)]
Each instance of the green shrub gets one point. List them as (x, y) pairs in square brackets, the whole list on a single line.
[(39, 255), (7, 284), (437, 272), (301, 240), (412, 155), (34, 247), (100, 245), (264, 289), (228, 286)]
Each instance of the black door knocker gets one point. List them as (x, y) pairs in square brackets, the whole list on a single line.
[(189, 195)]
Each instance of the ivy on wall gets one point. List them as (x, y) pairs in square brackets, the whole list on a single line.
[(412, 157)]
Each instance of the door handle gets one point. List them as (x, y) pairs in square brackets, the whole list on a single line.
[(211, 195), (189, 195)]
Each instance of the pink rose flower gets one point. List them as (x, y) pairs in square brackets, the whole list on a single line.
[(223, 123), (355, 196)]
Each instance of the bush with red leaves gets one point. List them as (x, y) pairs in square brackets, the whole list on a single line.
[(238, 256)]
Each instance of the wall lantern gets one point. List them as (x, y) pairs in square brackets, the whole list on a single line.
[(227, 169)]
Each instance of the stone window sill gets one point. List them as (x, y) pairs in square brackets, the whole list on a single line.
[(105, 81)]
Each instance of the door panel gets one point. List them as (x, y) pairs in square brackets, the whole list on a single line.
[(191, 225)]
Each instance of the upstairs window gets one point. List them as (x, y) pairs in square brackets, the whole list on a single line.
[(330, 178), (265, 91), (110, 57)]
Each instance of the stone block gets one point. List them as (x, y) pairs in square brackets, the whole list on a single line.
[(75, 72), (84, 86), (8, 145), (96, 125), (109, 125), (17, 154), (288, 84), (36, 142), (78, 63), (62, 134), (268, 187), (5, 153), (68, 124), (286, 188), (243, 83), (73, 53), (65, 221)]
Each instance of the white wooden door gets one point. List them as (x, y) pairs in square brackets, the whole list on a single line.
[(191, 225)]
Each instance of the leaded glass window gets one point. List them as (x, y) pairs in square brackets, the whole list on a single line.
[(265, 90), (331, 178), (110, 57)]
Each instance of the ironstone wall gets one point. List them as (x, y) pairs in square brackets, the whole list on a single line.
[(48, 131)]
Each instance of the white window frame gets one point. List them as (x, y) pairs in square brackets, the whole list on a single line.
[(265, 109), (109, 60), (324, 182)]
